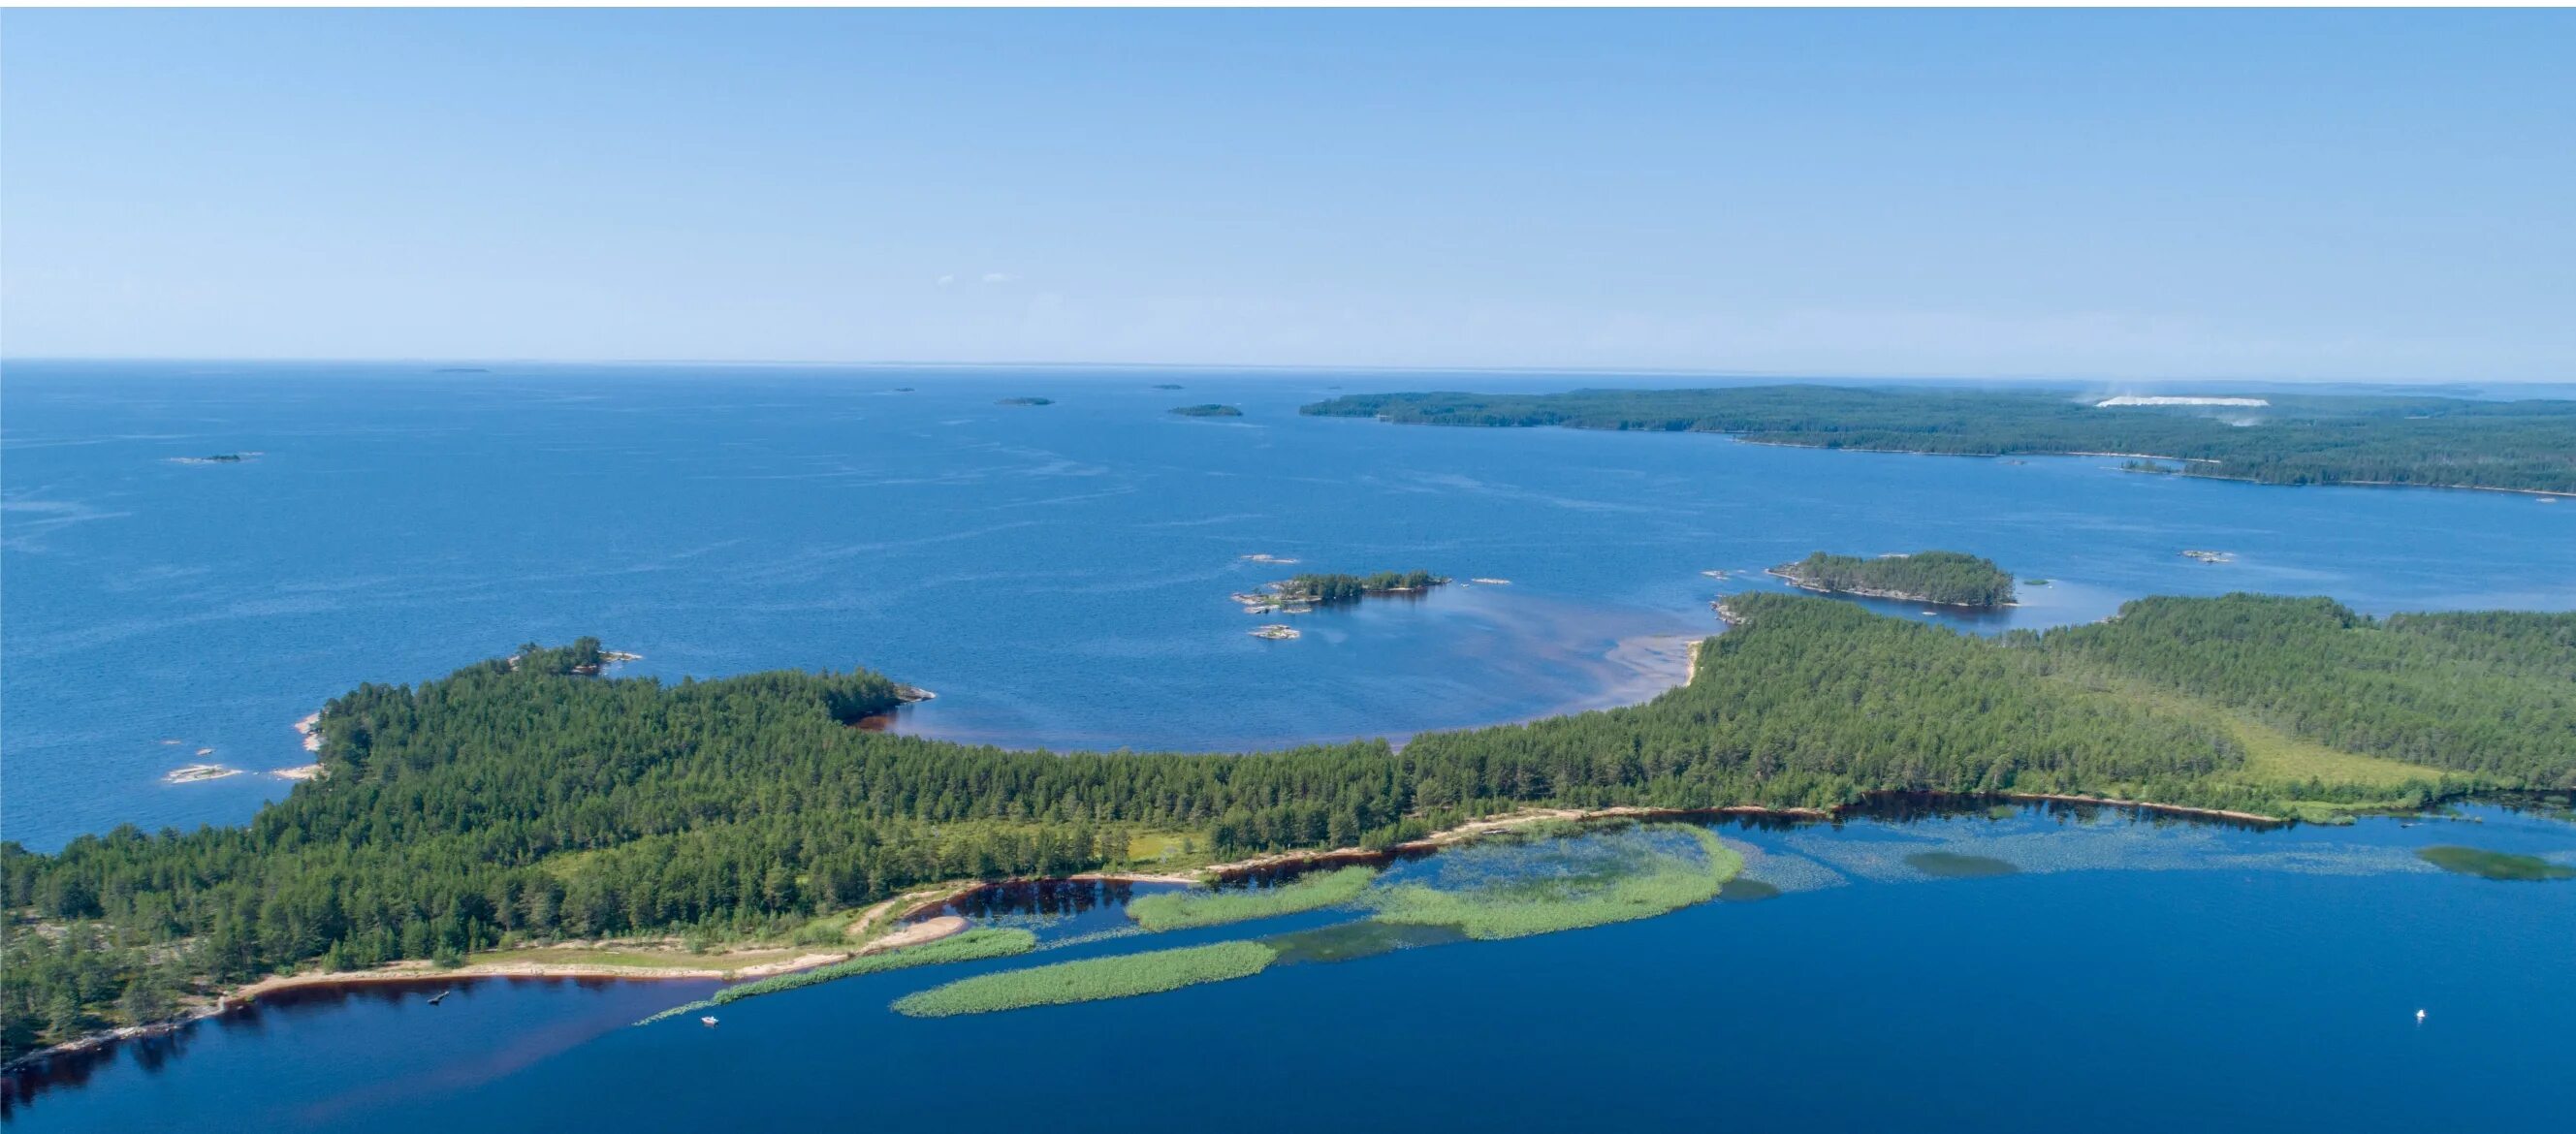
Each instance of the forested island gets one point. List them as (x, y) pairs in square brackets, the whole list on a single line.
[(514, 804), (1335, 589), (2527, 445), (1942, 578), (1211, 409), (1025, 402)]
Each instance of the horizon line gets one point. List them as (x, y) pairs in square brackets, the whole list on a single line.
[(1637, 371)]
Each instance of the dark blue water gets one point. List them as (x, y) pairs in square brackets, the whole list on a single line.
[(1057, 574), (2135, 974)]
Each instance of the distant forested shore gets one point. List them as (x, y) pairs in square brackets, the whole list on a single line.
[(524, 800), (2527, 446)]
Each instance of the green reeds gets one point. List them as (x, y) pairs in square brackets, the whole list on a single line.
[(1100, 978), (1191, 909), (1647, 886), (972, 945), (2495, 865)]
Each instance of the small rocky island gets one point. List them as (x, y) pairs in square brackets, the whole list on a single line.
[(215, 459), (1026, 402), (1301, 594), (1942, 578), (1167, 385), (1209, 410)]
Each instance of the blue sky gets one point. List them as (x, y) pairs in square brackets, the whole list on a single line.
[(2331, 195)]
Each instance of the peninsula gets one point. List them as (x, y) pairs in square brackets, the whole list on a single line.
[(1942, 578), (510, 806), (2525, 446)]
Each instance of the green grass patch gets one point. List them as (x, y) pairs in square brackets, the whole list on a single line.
[(972, 945), (1625, 888), (2496, 865), (1950, 864), (1100, 978), (1190, 909)]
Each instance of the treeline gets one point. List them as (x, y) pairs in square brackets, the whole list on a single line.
[(524, 802), (1327, 590), (2298, 439), (1949, 578), (2489, 693)]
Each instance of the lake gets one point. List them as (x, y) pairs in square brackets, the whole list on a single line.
[(1059, 573)]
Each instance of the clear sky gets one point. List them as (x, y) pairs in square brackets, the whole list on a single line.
[(2333, 195)]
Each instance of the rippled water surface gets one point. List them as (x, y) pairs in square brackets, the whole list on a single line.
[(1058, 574)]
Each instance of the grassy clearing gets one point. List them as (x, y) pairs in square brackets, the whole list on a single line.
[(1101, 978), (1642, 887), (2495, 865), (1191, 909), (1157, 847), (2276, 760), (972, 945)]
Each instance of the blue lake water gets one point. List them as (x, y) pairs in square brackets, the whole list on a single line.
[(2133, 975), (1059, 576)]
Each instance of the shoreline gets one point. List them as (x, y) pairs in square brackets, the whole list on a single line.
[(427, 972), (1742, 440), (917, 902)]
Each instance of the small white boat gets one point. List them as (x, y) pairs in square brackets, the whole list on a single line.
[(2419, 1015), (709, 1021)]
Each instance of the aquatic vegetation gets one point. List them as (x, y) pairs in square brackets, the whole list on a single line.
[(2044, 846), (1741, 889), (2496, 865), (1099, 978), (972, 945), (1951, 864), (1190, 909), (1782, 871), (1573, 884), (1351, 941)]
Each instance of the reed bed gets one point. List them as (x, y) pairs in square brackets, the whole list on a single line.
[(1191, 909), (972, 945), (1099, 978), (2495, 865), (1636, 882)]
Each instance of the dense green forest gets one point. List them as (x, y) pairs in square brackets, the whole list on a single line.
[(522, 800), (2298, 439), (1949, 578), (1211, 409), (1326, 590)]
